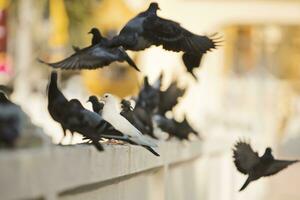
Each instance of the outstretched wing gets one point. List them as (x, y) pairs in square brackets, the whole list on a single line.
[(244, 157), (88, 58), (173, 37), (277, 166)]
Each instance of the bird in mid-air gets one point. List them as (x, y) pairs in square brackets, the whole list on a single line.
[(147, 29), (112, 115), (250, 163), (97, 55)]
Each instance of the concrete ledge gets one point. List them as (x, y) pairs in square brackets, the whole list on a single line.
[(48, 172)]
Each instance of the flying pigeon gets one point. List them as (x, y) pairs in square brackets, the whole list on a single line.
[(112, 115), (96, 38), (11, 122), (169, 98), (147, 29), (250, 163), (98, 55)]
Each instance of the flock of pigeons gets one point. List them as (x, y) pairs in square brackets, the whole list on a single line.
[(120, 121), (141, 32)]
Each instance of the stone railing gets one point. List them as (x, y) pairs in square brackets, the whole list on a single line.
[(81, 172)]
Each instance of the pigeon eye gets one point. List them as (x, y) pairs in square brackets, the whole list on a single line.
[(106, 96)]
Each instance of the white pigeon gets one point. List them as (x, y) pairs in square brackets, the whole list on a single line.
[(111, 114)]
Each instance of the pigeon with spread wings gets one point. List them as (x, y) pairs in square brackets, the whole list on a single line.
[(250, 163), (97, 55), (147, 29)]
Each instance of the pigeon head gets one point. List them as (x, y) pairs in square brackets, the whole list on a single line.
[(94, 31), (126, 105), (92, 99), (268, 150), (153, 7), (109, 98)]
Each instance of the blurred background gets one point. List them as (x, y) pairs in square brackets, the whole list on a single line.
[(248, 88)]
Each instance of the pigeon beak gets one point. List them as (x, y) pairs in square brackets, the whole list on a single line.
[(90, 32), (88, 101)]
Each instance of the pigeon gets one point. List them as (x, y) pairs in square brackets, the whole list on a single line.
[(95, 56), (148, 97), (169, 98), (138, 117), (250, 163), (11, 122), (56, 102), (96, 38), (147, 29), (180, 130), (97, 106), (111, 114)]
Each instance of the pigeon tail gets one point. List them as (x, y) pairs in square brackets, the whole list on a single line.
[(131, 62), (245, 184), (151, 150), (98, 146)]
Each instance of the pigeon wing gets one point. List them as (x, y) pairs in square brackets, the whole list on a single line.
[(244, 157), (173, 37), (277, 166), (89, 58)]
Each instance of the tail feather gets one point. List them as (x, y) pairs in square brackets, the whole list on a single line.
[(131, 62), (98, 146), (151, 150), (245, 184)]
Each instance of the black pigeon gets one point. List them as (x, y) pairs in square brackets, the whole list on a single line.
[(138, 116), (11, 122), (148, 97), (250, 163), (97, 106), (147, 29), (180, 130), (57, 102), (96, 38), (97, 55), (169, 98)]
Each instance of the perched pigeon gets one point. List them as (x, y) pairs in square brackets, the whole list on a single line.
[(138, 116), (95, 56), (11, 122), (250, 163), (97, 106), (73, 116), (148, 97), (174, 128), (111, 114), (147, 29), (56, 102), (169, 98)]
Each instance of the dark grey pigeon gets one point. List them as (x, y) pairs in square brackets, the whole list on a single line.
[(11, 122), (96, 38), (147, 29), (250, 163), (98, 55), (97, 106)]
